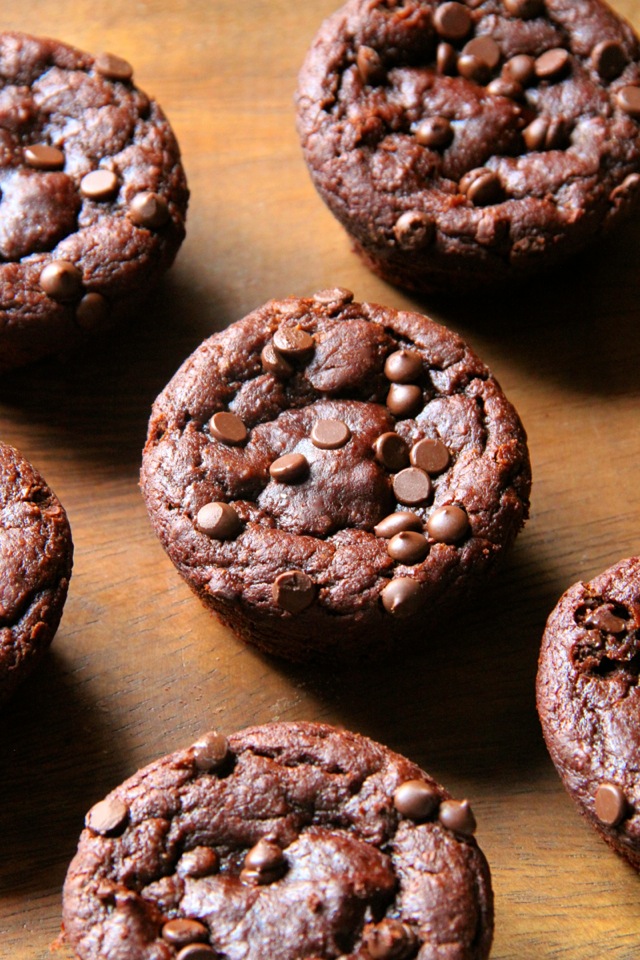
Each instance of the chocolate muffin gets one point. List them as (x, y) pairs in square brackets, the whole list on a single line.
[(36, 554), (330, 476), (589, 701), (93, 195), (288, 841), (465, 144)]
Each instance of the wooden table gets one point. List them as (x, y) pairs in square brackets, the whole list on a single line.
[(138, 668)]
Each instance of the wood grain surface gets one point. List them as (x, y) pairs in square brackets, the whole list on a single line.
[(138, 668)]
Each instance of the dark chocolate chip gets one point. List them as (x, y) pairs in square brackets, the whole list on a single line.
[(273, 362), (294, 591), (197, 951), (210, 751), (199, 862), (99, 185), (525, 9), (404, 399), (482, 187), (446, 60), (452, 21), (412, 486), (218, 520), (521, 68), (293, 342), (330, 434), (414, 229), (339, 296), (112, 67), (448, 524), (92, 311), (430, 455), (61, 280), (402, 597), (290, 468), (603, 618), (552, 64), (483, 48), (608, 59), (264, 863), (545, 134), (228, 428), (610, 804), (434, 132), (396, 522), (182, 931), (408, 547), (457, 815), (391, 451), (403, 366), (42, 157), (389, 940), (473, 68), (415, 799), (628, 99), (535, 135), (149, 210), (369, 65), (503, 87), (108, 816)]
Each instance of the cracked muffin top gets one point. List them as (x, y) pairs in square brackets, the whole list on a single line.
[(328, 474)]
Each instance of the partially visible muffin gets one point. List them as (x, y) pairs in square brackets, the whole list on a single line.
[(466, 144), (36, 556)]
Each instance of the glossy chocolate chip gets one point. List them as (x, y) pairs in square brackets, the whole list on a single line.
[(293, 342), (339, 296), (628, 99), (484, 48), (112, 67), (199, 862), (521, 68), (472, 68), (99, 185), (552, 64), (610, 804), (210, 751), (391, 451), (402, 597), (330, 434), (290, 468), (404, 399), (504, 87), (228, 428), (294, 591), (218, 520), (434, 132), (603, 618), (412, 486), (108, 816), (273, 362), (430, 455), (525, 9), (197, 951), (389, 940), (396, 522), (414, 229), (446, 60), (43, 157), (403, 366), (92, 311), (457, 815), (608, 59), (452, 21), (61, 280), (369, 65), (482, 187), (149, 210), (182, 931), (546, 134), (448, 524), (264, 863), (416, 800), (408, 547)]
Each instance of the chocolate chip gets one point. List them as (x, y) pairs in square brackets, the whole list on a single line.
[(472, 68), (552, 64), (210, 751), (290, 468), (546, 134), (608, 59), (273, 362), (434, 132), (610, 804), (484, 48), (525, 9), (293, 342), (197, 951), (396, 522), (99, 185), (430, 455), (264, 863), (482, 187), (415, 799), (452, 21), (503, 87), (603, 618), (521, 68), (535, 134), (412, 486), (369, 65), (391, 451), (108, 816), (182, 931), (404, 399), (628, 99), (339, 296), (413, 229), (149, 210), (388, 940), (446, 60), (457, 815), (42, 157), (228, 428), (402, 597), (330, 434), (294, 591), (218, 520), (448, 524), (112, 67), (199, 862), (61, 280), (403, 366), (92, 311), (408, 547)]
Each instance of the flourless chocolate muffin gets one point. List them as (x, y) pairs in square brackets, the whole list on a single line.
[(465, 144), (331, 476), (36, 555), (93, 196), (589, 701), (293, 841)]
